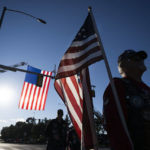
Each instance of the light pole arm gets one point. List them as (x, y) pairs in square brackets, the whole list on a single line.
[(2, 16), (21, 12), (22, 70)]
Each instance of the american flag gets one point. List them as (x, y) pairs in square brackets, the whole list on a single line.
[(83, 51), (72, 82), (35, 90), (71, 91)]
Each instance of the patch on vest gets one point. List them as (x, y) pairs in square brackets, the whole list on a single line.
[(136, 101)]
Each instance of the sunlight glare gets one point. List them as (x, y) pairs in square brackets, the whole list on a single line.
[(6, 95)]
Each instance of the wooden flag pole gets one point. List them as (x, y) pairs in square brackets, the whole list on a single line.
[(89, 106), (111, 79)]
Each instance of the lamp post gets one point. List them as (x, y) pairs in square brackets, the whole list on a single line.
[(21, 12)]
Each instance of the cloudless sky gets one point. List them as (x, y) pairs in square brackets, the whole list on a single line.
[(122, 24)]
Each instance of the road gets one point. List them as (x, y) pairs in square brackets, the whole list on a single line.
[(7, 146)]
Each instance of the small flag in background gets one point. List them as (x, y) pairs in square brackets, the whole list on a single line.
[(85, 49), (35, 90)]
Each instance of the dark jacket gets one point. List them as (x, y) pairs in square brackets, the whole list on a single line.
[(134, 99)]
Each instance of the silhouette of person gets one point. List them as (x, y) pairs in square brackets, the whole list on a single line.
[(57, 132), (134, 98)]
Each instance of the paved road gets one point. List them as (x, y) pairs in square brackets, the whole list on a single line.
[(6, 146)]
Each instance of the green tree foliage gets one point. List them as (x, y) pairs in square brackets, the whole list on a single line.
[(33, 130)]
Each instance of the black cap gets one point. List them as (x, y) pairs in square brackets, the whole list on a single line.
[(128, 54)]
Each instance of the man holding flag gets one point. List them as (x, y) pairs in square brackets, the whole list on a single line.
[(134, 97)]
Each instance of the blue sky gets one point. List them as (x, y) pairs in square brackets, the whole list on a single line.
[(123, 24)]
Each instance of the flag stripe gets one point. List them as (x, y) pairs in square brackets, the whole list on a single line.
[(41, 92), (72, 110), (93, 56), (46, 91), (32, 96), (87, 41), (27, 107), (69, 89), (22, 95), (75, 51), (27, 85), (77, 59)]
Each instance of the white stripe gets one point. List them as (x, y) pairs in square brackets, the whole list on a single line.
[(27, 96), (31, 97), (74, 92), (44, 94), (71, 109), (80, 43), (77, 65), (39, 98), (80, 53), (41, 91), (80, 89), (35, 98), (23, 95)]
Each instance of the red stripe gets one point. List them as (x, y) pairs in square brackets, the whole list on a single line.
[(59, 89), (72, 99), (81, 48), (71, 61), (27, 107), (43, 86), (47, 91), (25, 95), (21, 94), (39, 89), (76, 85), (72, 72), (33, 99), (75, 124)]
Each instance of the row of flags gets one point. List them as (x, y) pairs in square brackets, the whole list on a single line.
[(72, 83)]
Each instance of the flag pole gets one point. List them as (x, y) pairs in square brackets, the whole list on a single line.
[(89, 105), (111, 79)]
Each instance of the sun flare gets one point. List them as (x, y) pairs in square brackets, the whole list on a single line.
[(6, 95)]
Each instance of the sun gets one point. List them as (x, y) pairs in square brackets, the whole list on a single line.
[(6, 95)]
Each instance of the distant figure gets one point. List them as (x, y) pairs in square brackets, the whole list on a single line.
[(73, 140), (57, 132), (134, 97)]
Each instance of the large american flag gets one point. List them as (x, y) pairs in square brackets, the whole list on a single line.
[(35, 90), (74, 96), (72, 81), (84, 50)]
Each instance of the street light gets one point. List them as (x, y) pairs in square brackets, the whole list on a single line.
[(21, 12)]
